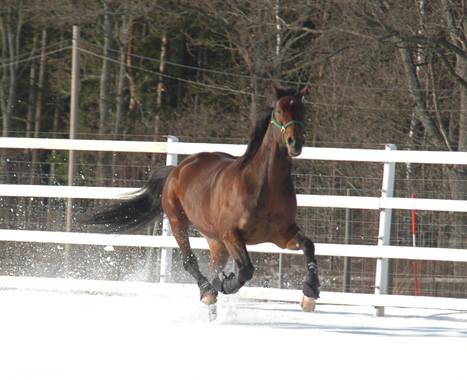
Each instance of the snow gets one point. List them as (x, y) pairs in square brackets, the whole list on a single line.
[(62, 335)]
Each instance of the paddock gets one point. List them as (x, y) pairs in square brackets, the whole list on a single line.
[(62, 329), (76, 329)]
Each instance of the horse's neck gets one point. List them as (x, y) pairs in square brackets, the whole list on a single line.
[(271, 164)]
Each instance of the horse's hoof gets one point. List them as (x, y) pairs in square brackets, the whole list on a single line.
[(209, 298), (308, 304), (229, 284), (208, 295)]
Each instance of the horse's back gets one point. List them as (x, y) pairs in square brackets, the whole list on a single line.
[(194, 185), (199, 166)]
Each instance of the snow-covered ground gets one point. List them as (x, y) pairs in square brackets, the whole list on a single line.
[(52, 335)]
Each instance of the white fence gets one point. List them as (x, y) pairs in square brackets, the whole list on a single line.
[(385, 204)]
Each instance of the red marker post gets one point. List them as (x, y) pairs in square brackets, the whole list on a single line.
[(414, 243)]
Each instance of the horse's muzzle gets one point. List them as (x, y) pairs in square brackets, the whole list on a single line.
[(294, 149), (295, 153)]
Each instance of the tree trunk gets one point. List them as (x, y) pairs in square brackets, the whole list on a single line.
[(458, 178), (32, 91), (35, 172), (55, 128), (415, 122), (415, 90), (10, 30), (263, 50), (461, 70), (160, 85), (277, 61), (121, 87), (55, 124), (458, 174), (133, 103), (160, 92), (52, 180)]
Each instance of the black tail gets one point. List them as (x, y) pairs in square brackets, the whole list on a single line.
[(142, 208)]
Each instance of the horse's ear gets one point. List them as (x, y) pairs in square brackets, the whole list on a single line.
[(278, 90), (304, 91)]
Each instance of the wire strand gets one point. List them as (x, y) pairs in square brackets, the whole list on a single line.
[(242, 92), (11, 60), (195, 83), (246, 76), (5, 65)]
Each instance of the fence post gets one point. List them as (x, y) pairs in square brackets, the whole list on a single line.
[(384, 234), (166, 253)]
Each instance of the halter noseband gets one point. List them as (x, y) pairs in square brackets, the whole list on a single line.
[(283, 127)]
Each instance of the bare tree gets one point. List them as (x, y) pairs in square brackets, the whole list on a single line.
[(35, 172), (32, 91), (11, 24), (262, 35), (444, 120)]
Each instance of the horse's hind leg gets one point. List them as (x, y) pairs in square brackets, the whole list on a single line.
[(179, 224), (237, 249)]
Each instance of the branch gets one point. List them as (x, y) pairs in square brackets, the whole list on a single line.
[(440, 40), (455, 32), (456, 49), (291, 41), (451, 70), (436, 106), (19, 27), (415, 92), (435, 41)]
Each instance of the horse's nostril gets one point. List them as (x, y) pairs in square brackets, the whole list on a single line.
[(290, 141)]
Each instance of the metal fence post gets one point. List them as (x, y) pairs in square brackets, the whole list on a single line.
[(384, 234), (166, 253)]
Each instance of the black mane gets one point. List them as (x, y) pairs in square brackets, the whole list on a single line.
[(257, 135)]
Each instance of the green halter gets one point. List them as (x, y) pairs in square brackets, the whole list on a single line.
[(283, 127)]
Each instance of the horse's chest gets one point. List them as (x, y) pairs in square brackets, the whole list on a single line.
[(267, 218), (264, 227)]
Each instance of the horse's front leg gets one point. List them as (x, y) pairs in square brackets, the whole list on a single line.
[(236, 248), (208, 295), (311, 284)]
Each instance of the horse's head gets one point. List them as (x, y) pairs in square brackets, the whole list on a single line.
[(288, 117)]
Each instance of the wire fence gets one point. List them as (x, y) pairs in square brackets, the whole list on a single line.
[(323, 225)]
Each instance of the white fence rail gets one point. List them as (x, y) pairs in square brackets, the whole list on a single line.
[(184, 148), (304, 200), (173, 148), (323, 249)]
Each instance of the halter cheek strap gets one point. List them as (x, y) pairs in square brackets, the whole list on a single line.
[(283, 127)]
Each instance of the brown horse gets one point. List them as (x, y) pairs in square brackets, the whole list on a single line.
[(231, 201)]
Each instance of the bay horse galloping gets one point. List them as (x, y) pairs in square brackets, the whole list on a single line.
[(231, 201)]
